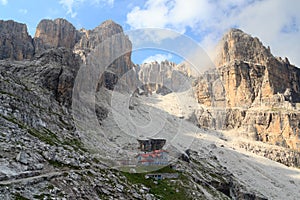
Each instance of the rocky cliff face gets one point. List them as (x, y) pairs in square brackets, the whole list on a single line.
[(110, 35), (252, 74), (91, 38), (55, 33), (262, 92), (161, 77), (15, 42), (60, 67)]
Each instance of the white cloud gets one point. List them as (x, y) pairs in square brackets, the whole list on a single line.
[(23, 11), (176, 14), (158, 58), (269, 21), (4, 2), (70, 5), (108, 2), (275, 22)]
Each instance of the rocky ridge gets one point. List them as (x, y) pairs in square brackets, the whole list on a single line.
[(60, 33)]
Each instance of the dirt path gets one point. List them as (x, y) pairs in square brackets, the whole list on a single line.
[(38, 178)]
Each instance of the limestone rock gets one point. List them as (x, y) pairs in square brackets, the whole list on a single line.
[(244, 82), (209, 89), (237, 45), (56, 33), (278, 154), (261, 91), (250, 72), (157, 77), (113, 41), (16, 43), (59, 70), (105, 32), (91, 38), (163, 78), (279, 128), (22, 157)]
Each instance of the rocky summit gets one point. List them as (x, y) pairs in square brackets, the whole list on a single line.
[(262, 91), (235, 134), (16, 43)]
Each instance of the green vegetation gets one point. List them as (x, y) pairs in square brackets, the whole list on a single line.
[(7, 93), (50, 187), (163, 189), (90, 174), (18, 196), (75, 143), (147, 169), (58, 164), (42, 196), (46, 135), (13, 120)]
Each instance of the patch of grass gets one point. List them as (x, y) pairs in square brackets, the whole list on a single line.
[(90, 174), (42, 196), (14, 121), (50, 187), (7, 93), (75, 143), (218, 177), (46, 136), (18, 196), (148, 169), (164, 189), (59, 164)]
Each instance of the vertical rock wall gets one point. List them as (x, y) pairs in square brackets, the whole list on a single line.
[(15, 42)]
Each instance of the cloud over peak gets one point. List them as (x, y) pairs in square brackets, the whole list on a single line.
[(158, 57), (72, 5), (275, 22)]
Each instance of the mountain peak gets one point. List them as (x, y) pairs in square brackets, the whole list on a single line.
[(108, 23), (16, 43), (110, 27), (235, 30), (237, 45), (55, 33)]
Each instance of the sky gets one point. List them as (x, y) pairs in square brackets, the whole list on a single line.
[(275, 22)]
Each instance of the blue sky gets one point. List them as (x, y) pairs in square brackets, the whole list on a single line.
[(275, 22)]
